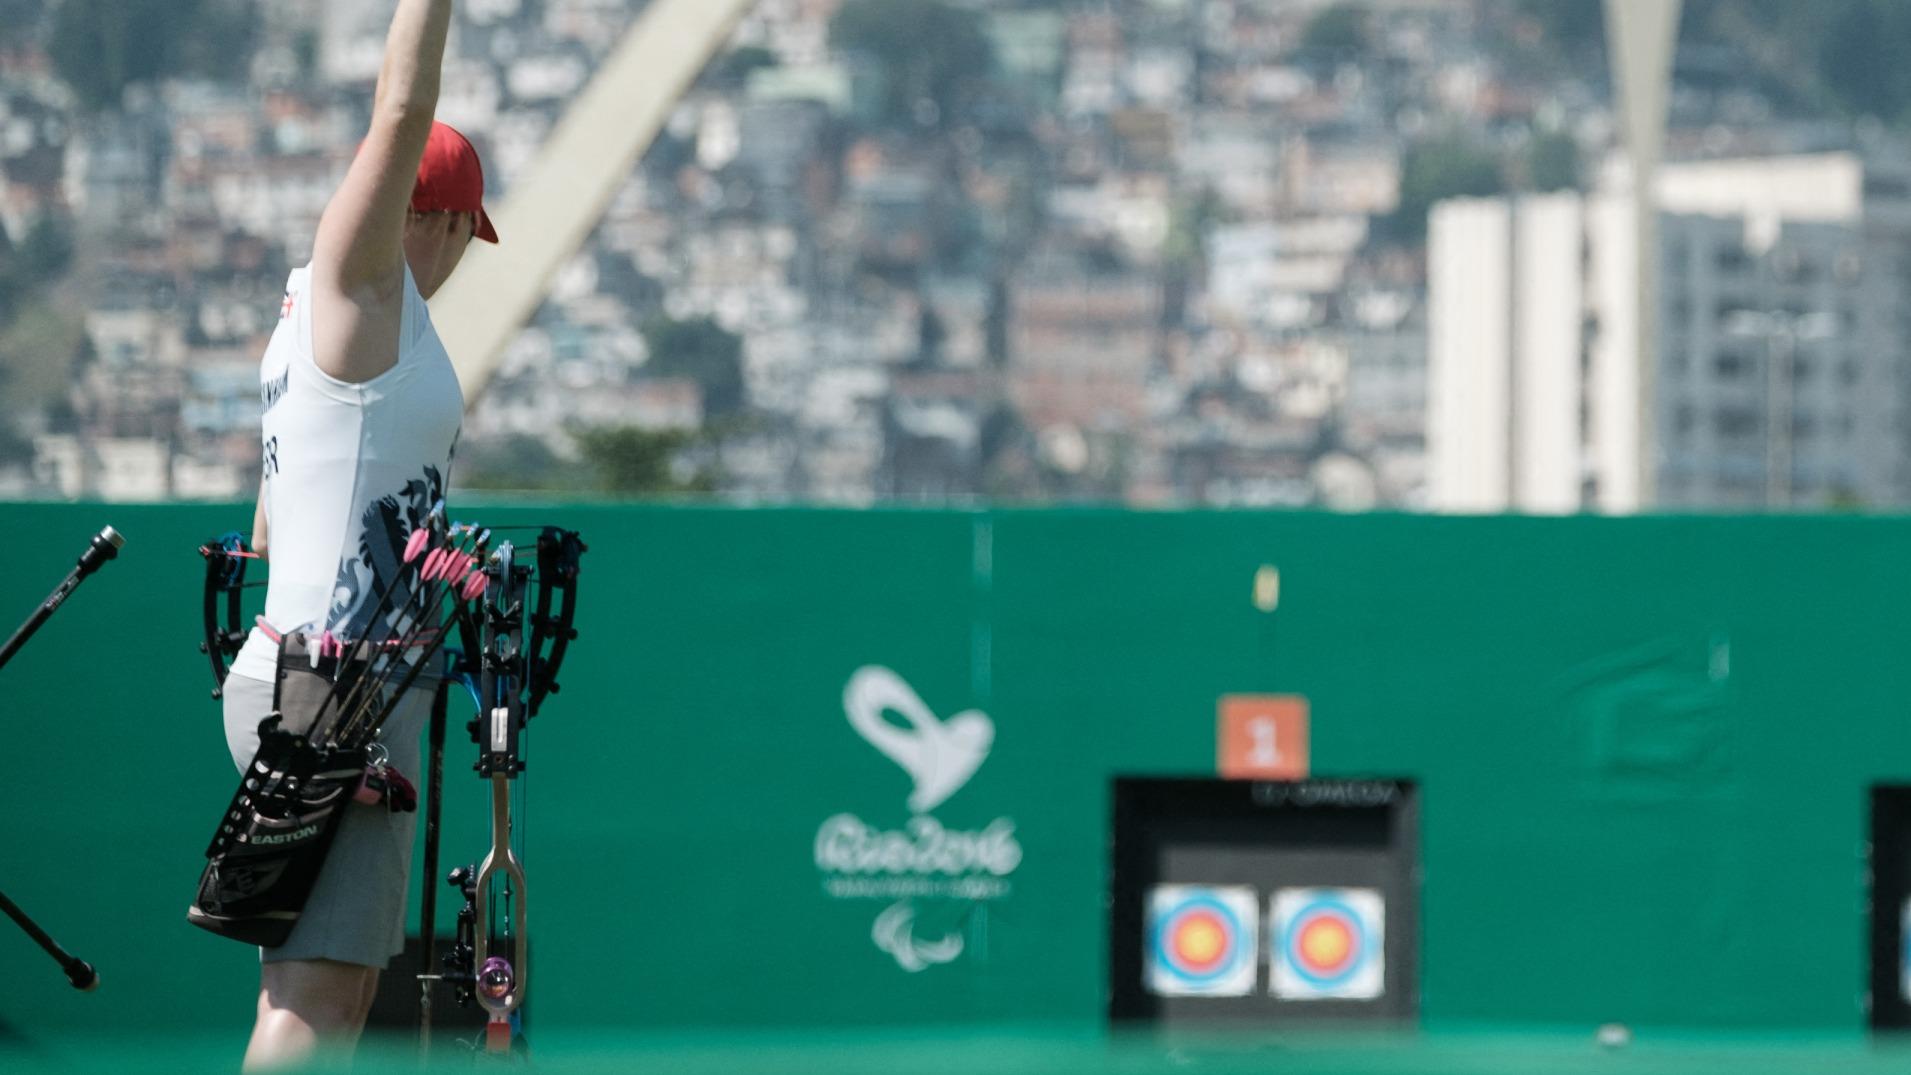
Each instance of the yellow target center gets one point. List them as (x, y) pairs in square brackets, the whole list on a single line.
[(1201, 941), (1326, 944)]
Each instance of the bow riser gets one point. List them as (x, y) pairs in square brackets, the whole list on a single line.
[(513, 673)]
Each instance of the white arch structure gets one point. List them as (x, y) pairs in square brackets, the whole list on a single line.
[(551, 210), (1641, 37)]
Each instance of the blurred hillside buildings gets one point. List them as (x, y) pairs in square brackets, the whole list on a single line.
[(1154, 252)]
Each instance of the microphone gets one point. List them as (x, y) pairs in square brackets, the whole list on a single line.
[(104, 546)]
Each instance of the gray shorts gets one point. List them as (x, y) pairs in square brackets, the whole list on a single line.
[(356, 913)]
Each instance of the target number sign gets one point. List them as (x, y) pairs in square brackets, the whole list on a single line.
[(1262, 737), (1327, 944), (1202, 940)]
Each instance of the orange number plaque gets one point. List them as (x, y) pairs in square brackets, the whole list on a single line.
[(1262, 737)]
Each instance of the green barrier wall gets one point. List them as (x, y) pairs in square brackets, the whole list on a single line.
[(1643, 746)]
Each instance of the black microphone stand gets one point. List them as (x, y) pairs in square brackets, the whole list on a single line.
[(104, 546)]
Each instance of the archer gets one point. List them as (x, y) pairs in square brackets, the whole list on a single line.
[(361, 412)]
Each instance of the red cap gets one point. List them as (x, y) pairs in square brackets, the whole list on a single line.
[(450, 179)]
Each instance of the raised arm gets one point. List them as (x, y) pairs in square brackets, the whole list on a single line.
[(358, 258)]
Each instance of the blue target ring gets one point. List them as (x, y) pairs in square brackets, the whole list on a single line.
[(1227, 961), (1358, 948)]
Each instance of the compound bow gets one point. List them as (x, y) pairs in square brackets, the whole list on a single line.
[(510, 678)]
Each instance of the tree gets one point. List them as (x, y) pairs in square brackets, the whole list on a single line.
[(1336, 33), (1571, 29), (30, 265), (703, 351), (41, 346), (1551, 162), (1859, 62), (930, 52), (1451, 166), (19, 22), (518, 461), (13, 287), (930, 335), (736, 68), (14, 448), (99, 47), (47, 250), (628, 460), (1191, 219)]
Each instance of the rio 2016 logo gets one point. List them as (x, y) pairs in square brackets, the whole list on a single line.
[(923, 860)]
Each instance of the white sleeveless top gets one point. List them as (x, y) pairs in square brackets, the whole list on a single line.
[(350, 471)]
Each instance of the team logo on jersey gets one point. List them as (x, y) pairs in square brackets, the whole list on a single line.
[(1327, 943), (1201, 941)]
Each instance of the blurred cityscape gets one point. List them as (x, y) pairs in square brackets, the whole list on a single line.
[(1149, 252)]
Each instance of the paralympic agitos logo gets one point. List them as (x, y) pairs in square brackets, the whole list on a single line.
[(924, 859)]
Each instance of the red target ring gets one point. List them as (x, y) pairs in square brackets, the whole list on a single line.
[(1199, 941), (1326, 943)]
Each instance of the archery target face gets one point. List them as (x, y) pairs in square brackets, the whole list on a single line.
[(1202, 941), (1327, 943)]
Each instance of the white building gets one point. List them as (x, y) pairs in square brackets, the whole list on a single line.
[(111, 469), (1775, 380)]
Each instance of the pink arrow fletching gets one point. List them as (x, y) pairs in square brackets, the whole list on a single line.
[(474, 586), (416, 544)]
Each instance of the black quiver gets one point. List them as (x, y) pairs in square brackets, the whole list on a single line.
[(272, 840)]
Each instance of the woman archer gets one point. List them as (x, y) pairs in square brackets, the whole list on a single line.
[(362, 411)]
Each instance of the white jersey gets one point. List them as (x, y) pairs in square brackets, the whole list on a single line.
[(350, 471)]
